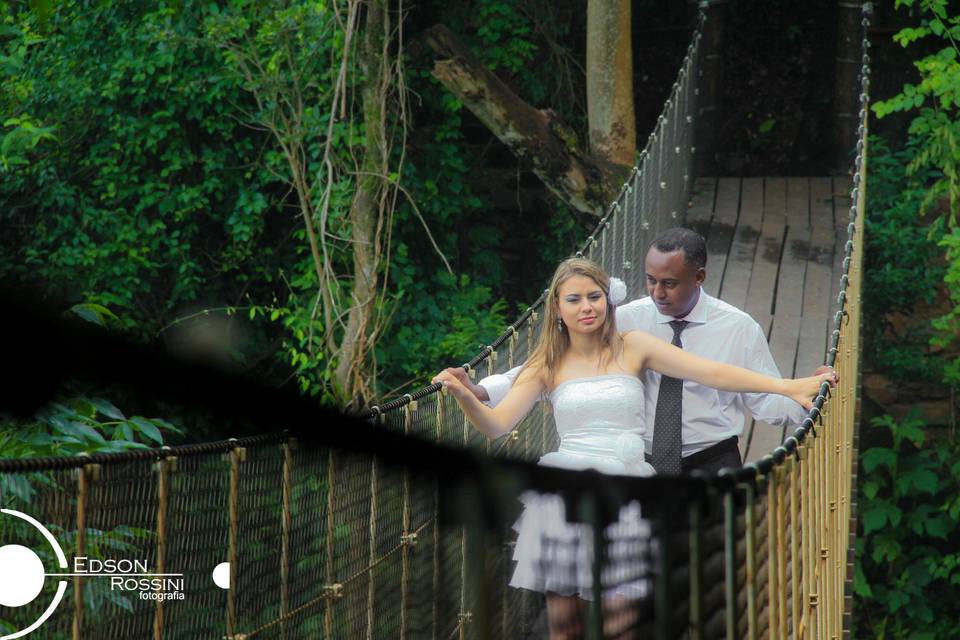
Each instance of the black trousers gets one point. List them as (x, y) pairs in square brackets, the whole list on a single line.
[(725, 453)]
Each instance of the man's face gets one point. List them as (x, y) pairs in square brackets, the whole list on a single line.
[(671, 282)]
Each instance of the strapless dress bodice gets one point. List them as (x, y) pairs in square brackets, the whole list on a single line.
[(600, 421)]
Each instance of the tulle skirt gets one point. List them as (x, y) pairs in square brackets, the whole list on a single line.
[(553, 555)]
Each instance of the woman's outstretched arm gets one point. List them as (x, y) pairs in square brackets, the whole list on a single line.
[(495, 422), (663, 357)]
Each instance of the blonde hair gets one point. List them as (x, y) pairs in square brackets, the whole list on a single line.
[(553, 342)]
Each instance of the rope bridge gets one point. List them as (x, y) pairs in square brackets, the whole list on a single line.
[(401, 527)]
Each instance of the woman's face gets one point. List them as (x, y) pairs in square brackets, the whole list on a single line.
[(582, 304)]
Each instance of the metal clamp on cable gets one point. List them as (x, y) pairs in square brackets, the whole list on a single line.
[(819, 415), (334, 590), (726, 479), (796, 447), (780, 454), (491, 353), (749, 474), (832, 355)]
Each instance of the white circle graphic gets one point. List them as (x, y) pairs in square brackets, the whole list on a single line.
[(21, 575), (221, 575), (17, 559)]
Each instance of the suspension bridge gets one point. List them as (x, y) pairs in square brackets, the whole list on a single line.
[(399, 527)]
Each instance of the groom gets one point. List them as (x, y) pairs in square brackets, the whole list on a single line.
[(693, 426)]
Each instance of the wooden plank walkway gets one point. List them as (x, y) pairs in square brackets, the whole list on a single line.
[(775, 250)]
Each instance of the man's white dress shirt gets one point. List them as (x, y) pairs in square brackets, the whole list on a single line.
[(717, 331)]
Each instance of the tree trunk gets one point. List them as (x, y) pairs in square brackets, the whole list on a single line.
[(535, 136), (846, 89), (350, 374), (612, 122)]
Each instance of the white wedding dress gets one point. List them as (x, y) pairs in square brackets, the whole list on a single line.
[(600, 421)]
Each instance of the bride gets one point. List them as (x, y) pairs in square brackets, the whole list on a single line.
[(590, 374)]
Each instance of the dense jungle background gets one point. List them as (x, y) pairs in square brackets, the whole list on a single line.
[(297, 192)]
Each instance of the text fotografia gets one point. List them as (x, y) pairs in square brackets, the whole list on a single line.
[(131, 576)]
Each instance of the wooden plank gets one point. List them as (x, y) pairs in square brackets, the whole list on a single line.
[(793, 262), (763, 279), (841, 212), (720, 235), (767, 259), (701, 199), (736, 277), (700, 211), (818, 308), (798, 202)]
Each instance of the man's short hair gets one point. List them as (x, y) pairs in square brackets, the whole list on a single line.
[(692, 244)]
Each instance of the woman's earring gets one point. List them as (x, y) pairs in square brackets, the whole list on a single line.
[(559, 324)]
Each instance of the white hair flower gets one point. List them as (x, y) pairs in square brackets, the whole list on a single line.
[(618, 291)]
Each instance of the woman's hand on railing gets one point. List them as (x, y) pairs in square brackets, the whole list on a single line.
[(825, 369), (805, 390)]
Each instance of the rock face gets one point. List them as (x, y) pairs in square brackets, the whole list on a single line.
[(885, 394), (934, 403)]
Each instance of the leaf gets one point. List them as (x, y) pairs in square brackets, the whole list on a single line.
[(860, 585), (72, 427), (147, 428), (93, 313), (17, 485), (160, 422), (874, 519), (877, 457), (106, 408), (925, 480), (938, 527)]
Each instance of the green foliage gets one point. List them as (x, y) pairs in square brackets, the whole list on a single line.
[(902, 269), (154, 194), (948, 325), (141, 176), (908, 547), (935, 133), (81, 425)]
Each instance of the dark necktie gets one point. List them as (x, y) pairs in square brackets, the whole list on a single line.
[(667, 423)]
